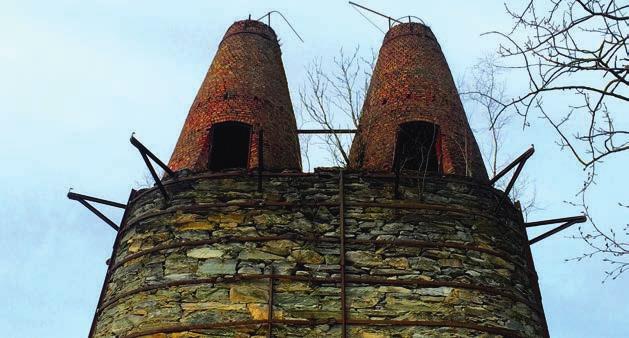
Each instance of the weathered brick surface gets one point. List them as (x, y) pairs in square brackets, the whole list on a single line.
[(412, 82), (245, 83), (143, 293)]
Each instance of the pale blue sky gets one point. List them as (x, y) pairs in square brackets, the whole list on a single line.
[(77, 77)]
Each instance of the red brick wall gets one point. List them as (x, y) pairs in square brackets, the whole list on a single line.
[(412, 82), (245, 83)]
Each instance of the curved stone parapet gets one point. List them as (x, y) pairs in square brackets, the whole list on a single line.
[(224, 260)]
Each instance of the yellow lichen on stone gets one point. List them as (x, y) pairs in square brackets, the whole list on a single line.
[(248, 294), (211, 306), (197, 226), (258, 312)]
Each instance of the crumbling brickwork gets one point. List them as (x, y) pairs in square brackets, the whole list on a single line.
[(412, 82), (202, 264), (245, 83)]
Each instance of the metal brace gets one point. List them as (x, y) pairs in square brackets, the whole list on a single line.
[(326, 131), (146, 154), (568, 221), (520, 161), (83, 199), (260, 158)]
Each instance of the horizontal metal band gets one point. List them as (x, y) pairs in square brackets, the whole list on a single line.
[(312, 322), (323, 280), (396, 242)]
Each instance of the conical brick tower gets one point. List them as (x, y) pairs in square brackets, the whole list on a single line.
[(244, 91), (412, 83)]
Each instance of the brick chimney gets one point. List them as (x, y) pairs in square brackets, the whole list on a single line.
[(412, 116), (245, 91)]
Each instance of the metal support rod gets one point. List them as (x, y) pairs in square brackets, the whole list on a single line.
[(342, 252), (260, 158), (520, 158), (515, 176), (520, 161), (326, 131), (269, 333), (83, 199), (396, 184), (579, 219), (100, 215), (374, 12), (145, 150), (146, 154), (575, 220), (285, 20), (76, 197), (162, 190)]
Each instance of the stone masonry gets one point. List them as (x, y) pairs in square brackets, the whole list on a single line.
[(434, 260), (365, 253)]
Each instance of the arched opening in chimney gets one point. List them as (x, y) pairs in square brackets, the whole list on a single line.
[(418, 147), (229, 145)]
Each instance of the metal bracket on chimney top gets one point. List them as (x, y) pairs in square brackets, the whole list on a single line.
[(520, 161), (568, 221), (146, 154), (283, 17), (375, 12), (84, 199)]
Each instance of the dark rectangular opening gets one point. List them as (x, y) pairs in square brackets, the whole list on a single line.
[(417, 147), (229, 145)]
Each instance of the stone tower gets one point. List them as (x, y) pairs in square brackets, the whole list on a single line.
[(410, 241)]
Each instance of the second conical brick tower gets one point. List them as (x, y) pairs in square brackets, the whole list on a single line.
[(411, 94)]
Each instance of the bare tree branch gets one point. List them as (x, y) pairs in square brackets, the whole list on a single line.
[(576, 50), (332, 98)]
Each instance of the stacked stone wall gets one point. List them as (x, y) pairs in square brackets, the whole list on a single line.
[(442, 260)]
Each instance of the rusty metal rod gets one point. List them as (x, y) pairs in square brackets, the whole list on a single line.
[(515, 176), (555, 230), (76, 197), (145, 150), (342, 253), (327, 131), (528, 153), (330, 321), (396, 184), (156, 178), (260, 157), (270, 305), (100, 215), (374, 12), (579, 219)]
